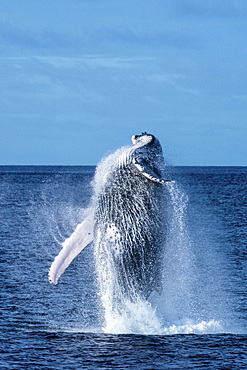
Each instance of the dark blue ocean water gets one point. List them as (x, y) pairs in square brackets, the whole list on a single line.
[(201, 319)]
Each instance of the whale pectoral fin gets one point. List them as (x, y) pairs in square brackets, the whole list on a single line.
[(149, 173), (81, 237)]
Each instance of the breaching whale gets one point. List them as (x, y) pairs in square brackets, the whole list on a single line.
[(126, 222)]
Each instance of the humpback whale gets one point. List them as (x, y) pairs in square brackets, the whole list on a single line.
[(126, 222)]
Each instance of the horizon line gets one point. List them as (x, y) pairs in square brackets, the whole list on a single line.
[(95, 165)]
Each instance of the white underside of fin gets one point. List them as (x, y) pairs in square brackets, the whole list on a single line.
[(141, 169), (81, 237)]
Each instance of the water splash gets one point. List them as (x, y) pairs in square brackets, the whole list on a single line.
[(192, 299), (187, 303), (178, 265)]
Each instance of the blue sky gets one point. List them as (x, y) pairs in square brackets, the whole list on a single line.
[(79, 77)]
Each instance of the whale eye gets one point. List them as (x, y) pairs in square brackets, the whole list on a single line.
[(134, 138)]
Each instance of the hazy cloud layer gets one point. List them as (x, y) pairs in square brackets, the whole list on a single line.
[(81, 74)]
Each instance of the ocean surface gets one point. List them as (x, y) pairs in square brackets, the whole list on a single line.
[(198, 321)]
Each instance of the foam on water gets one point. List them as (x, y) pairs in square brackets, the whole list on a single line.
[(141, 318)]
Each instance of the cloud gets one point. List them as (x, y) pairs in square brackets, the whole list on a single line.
[(178, 81), (86, 61), (93, 61), (168, 37), (46, 39), (90, 39), (208, 9), (240, 97)]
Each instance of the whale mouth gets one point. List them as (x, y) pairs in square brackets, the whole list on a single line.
[(145, 137)]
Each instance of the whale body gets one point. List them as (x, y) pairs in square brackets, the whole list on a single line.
[(126, 222)]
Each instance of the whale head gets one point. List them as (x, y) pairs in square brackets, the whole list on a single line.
[(144, 138), (147, 145), (148, 155)]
